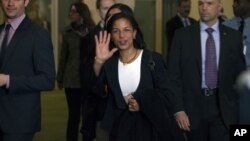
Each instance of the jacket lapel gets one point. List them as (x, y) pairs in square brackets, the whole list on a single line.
[(178, 21), (145, 70), (197, 46), (223, 45), (1, 27), (112, 68), (17, 37)]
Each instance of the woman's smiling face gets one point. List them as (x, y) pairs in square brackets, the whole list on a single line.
[(123, 34)]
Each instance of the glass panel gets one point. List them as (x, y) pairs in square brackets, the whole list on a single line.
[(146, 20)]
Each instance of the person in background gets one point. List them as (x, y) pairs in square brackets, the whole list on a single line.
[(94, 106), (181, 20), (241, 22), (138, 109), (244, 91), (38, 16), (202, 72), (68, 75), (26, 68), (103, 6), (222, 17), (119, 7)]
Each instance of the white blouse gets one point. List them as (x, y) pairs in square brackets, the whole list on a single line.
[(129, 75)]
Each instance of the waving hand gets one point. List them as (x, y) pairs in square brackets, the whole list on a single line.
[(102, 50), (102, 46)]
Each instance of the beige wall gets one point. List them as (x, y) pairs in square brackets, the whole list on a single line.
[(92, 8), (227, 5)]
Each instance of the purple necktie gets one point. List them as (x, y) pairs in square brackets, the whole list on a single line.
[(185, 23), (211, 73), (4, 43)]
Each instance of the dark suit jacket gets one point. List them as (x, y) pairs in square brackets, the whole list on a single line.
[(87, 58), (29, 61), (172, 25), (185, 72), (151, 95), (95, 105)]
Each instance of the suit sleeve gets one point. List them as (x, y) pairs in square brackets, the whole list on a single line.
[(170, 29), (62, 60), (174, 73), (42, 66)]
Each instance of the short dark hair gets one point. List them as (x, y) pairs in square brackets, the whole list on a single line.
[(139, 40), (181, 1), (123, 7)]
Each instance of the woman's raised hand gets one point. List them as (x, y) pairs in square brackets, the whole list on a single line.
[(102, 46)]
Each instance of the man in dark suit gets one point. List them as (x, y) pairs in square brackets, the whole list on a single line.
[(202, 70), (94, 105), (26, 68), (241, 22), (181, 20)]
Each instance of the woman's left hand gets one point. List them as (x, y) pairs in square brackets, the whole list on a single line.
[(133, 105)]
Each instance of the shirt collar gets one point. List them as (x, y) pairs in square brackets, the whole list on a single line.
[(204, 26), (182, 18), (238, 19), (16, 22), (247, 20)]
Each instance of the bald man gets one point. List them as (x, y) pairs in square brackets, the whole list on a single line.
[(202, 70)]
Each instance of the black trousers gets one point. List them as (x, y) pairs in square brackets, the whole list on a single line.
[(94, 109), (16, 136), (211, 128), (75, 101), (90, 118)]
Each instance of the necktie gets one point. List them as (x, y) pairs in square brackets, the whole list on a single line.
[(242, 24), (185, 23), (210, 62), (4, 43)]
